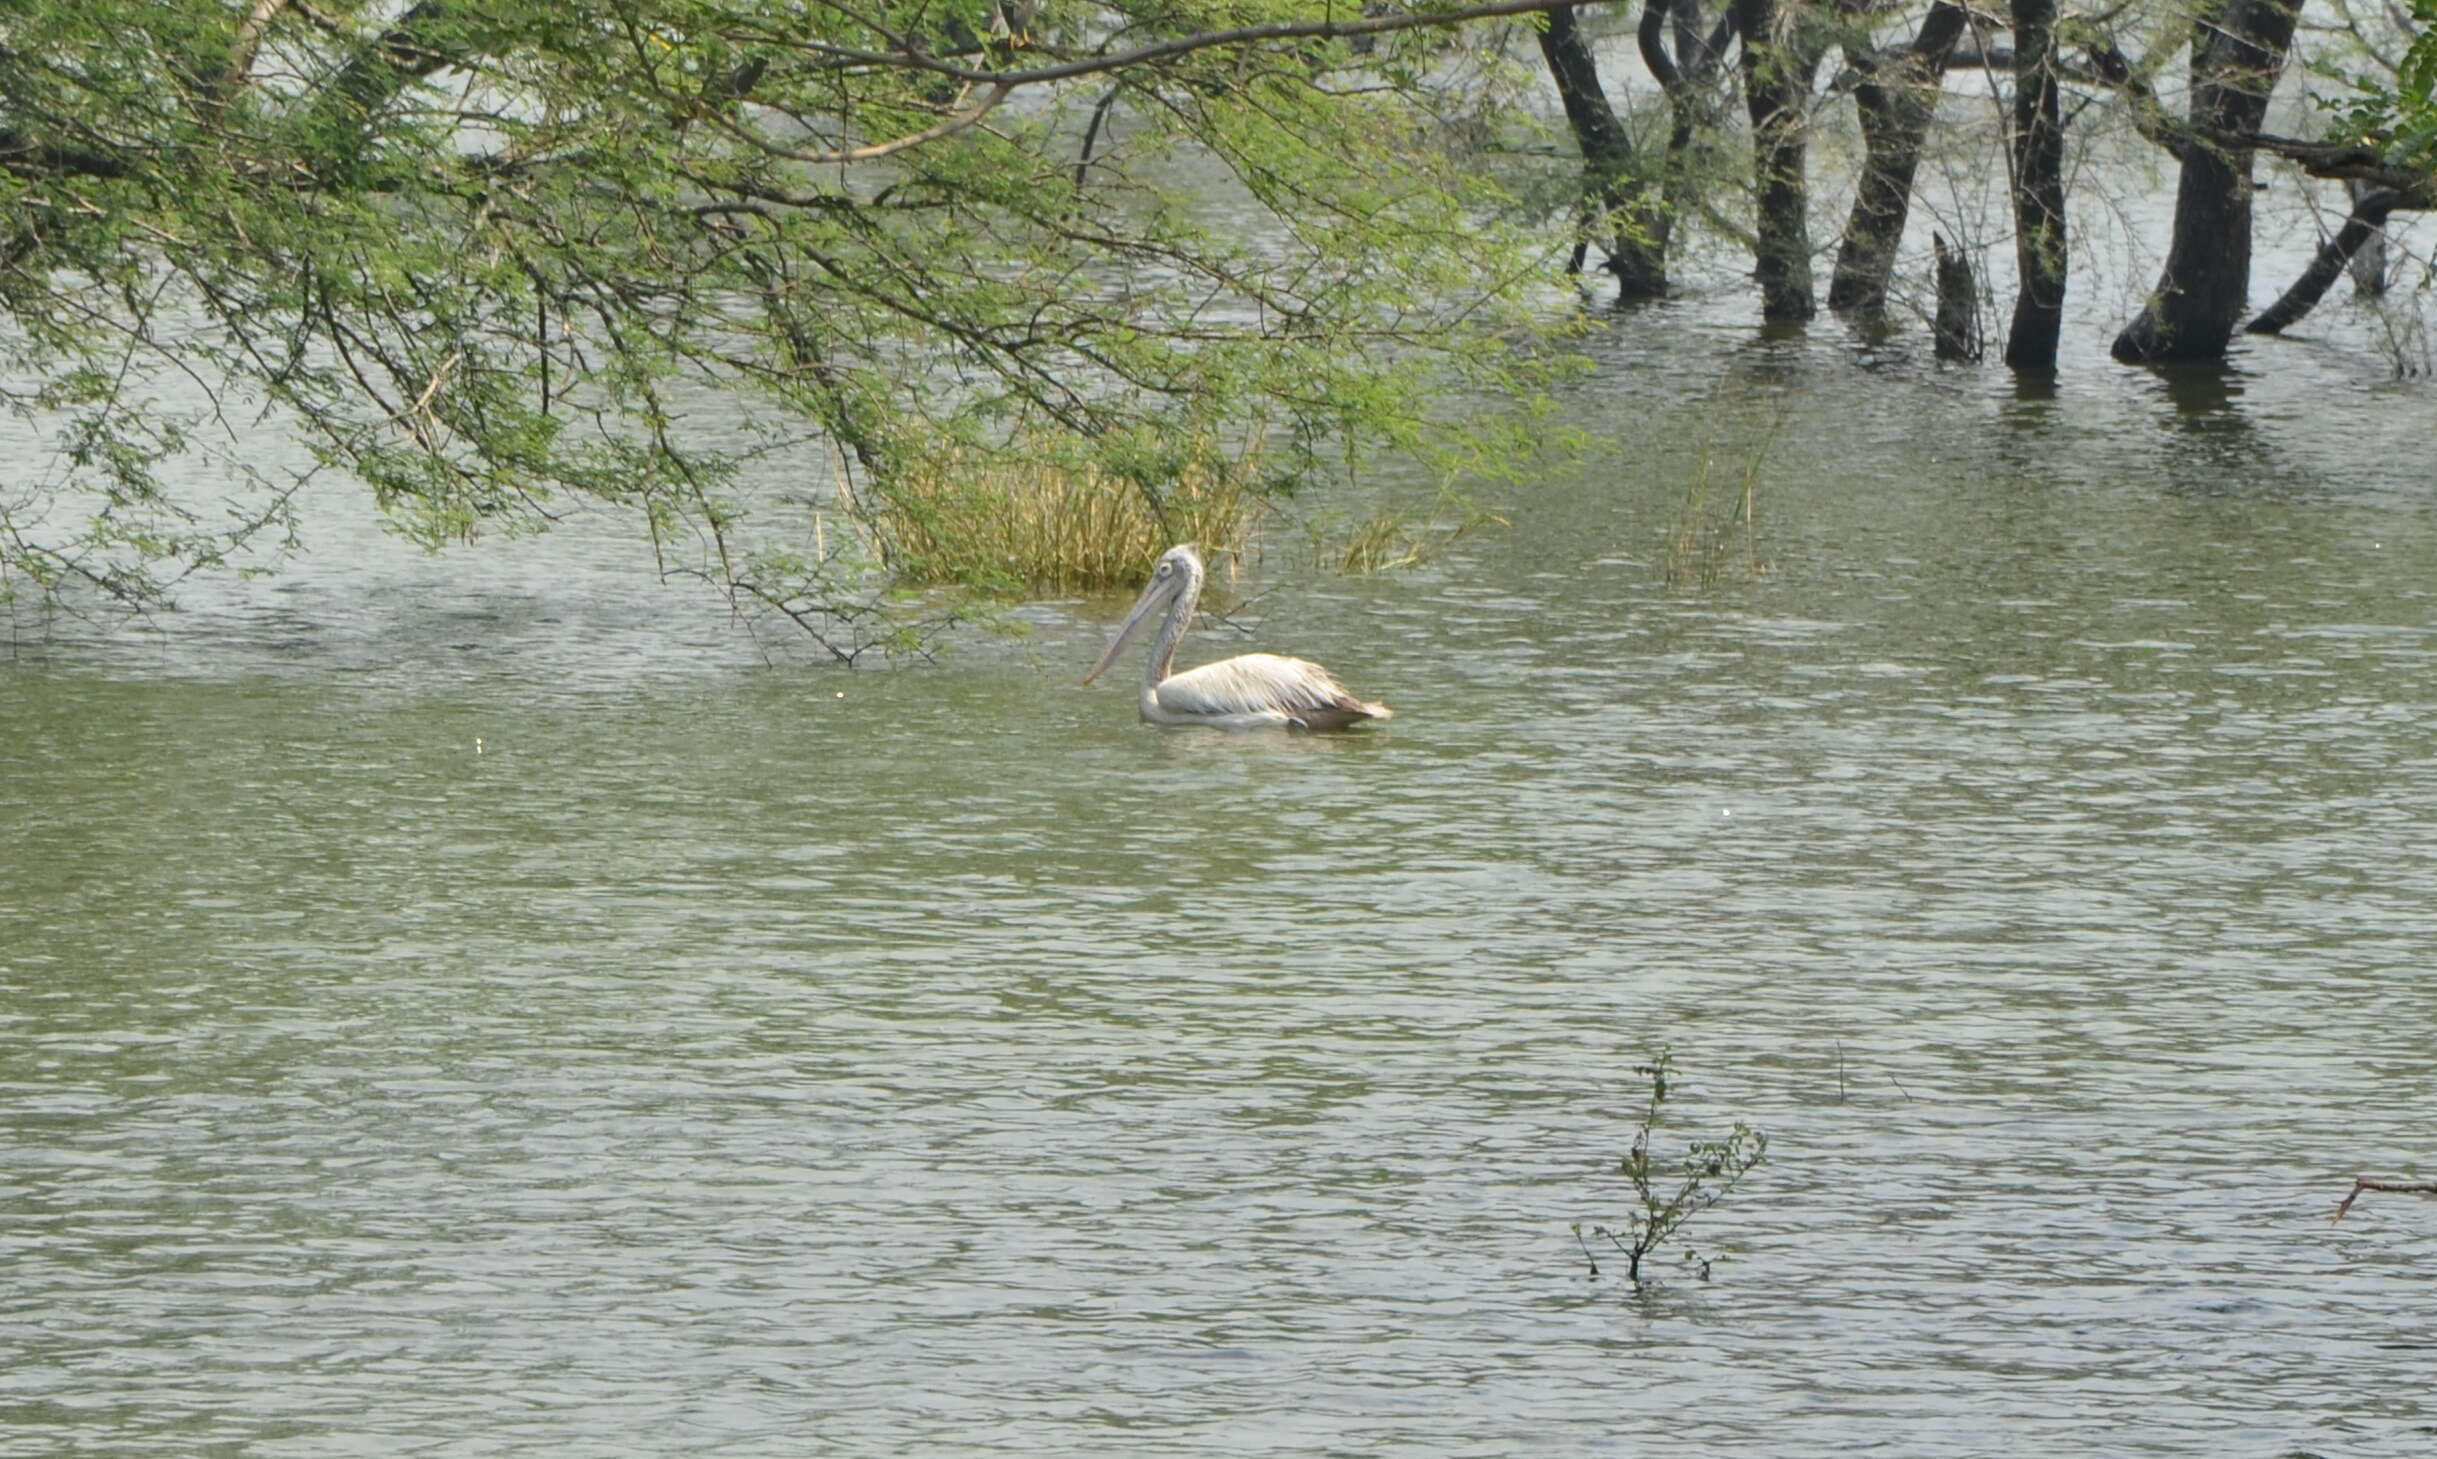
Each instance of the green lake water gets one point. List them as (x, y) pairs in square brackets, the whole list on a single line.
[(494, 1004)]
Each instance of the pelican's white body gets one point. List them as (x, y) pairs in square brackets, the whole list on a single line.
[(1250, 691)]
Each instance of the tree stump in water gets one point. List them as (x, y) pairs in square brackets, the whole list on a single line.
[(2368, 263), (1957, 326)]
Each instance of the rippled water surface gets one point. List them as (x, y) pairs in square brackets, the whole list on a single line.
[(492, 1005)]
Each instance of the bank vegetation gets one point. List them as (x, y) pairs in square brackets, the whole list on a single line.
[(1020, 290)]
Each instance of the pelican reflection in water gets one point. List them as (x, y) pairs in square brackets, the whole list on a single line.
[(1250, 691)]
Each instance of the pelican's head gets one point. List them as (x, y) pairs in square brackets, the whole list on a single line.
[(1179, 568)]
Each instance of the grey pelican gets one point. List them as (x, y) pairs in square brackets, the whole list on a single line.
[(1250, 691)]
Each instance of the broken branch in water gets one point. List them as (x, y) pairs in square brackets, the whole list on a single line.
[(2366, 1183)]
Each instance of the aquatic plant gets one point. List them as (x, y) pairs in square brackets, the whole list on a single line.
[(1708, 1170), (1389, 540), (1710, 537), (1047, 519)]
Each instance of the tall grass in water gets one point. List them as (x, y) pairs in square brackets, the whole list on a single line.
[(1712, 538), (1020, 522), (1389, 540)]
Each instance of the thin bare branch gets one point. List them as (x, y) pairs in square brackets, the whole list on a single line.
[(872, 151), (2370, 1183), (1186, 44), (250, 32)]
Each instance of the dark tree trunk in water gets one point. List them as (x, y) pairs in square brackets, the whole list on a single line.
[(2039, 191), (2366, 225), (1686, 76), (1957, 330), (1777, 68), (2238, 49), (2368, 262), (1613, 199), (1897, 99)]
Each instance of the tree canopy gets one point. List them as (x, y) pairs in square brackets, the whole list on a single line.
[(498, 261), (479, 254)]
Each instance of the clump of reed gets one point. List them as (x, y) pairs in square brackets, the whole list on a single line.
[(1016, 520), (1718, 533), (1389, 540)]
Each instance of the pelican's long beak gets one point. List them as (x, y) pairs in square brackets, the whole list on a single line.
[(1135, 617)]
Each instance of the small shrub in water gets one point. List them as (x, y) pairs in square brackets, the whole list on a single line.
[(1710, 1168)]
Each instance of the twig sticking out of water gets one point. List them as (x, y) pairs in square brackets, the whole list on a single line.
[(1708, 1170), (2372, 1183)]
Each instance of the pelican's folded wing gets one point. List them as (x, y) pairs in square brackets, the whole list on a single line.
[(1263, 689)]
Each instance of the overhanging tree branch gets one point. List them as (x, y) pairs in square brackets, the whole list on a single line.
[(250, 32), (874, 151), (2334, 160), (915, 59), (37, 157), (2149, 116)]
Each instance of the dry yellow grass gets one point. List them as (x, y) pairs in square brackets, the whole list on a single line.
[(1017, 525)]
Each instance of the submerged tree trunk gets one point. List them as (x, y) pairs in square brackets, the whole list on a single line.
[(1616, 204), (2367, 224), (2236, 54), (1777, 69), (1897, 98), (1957, 328), (1687, 76), (2368, 262), (2039, 190)]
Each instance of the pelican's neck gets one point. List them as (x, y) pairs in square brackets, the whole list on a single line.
[(1172, 630)]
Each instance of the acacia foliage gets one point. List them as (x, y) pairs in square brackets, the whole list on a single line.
[(2400, 120), (479, 255)]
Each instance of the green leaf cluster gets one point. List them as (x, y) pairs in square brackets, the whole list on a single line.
[(2399, 121)]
